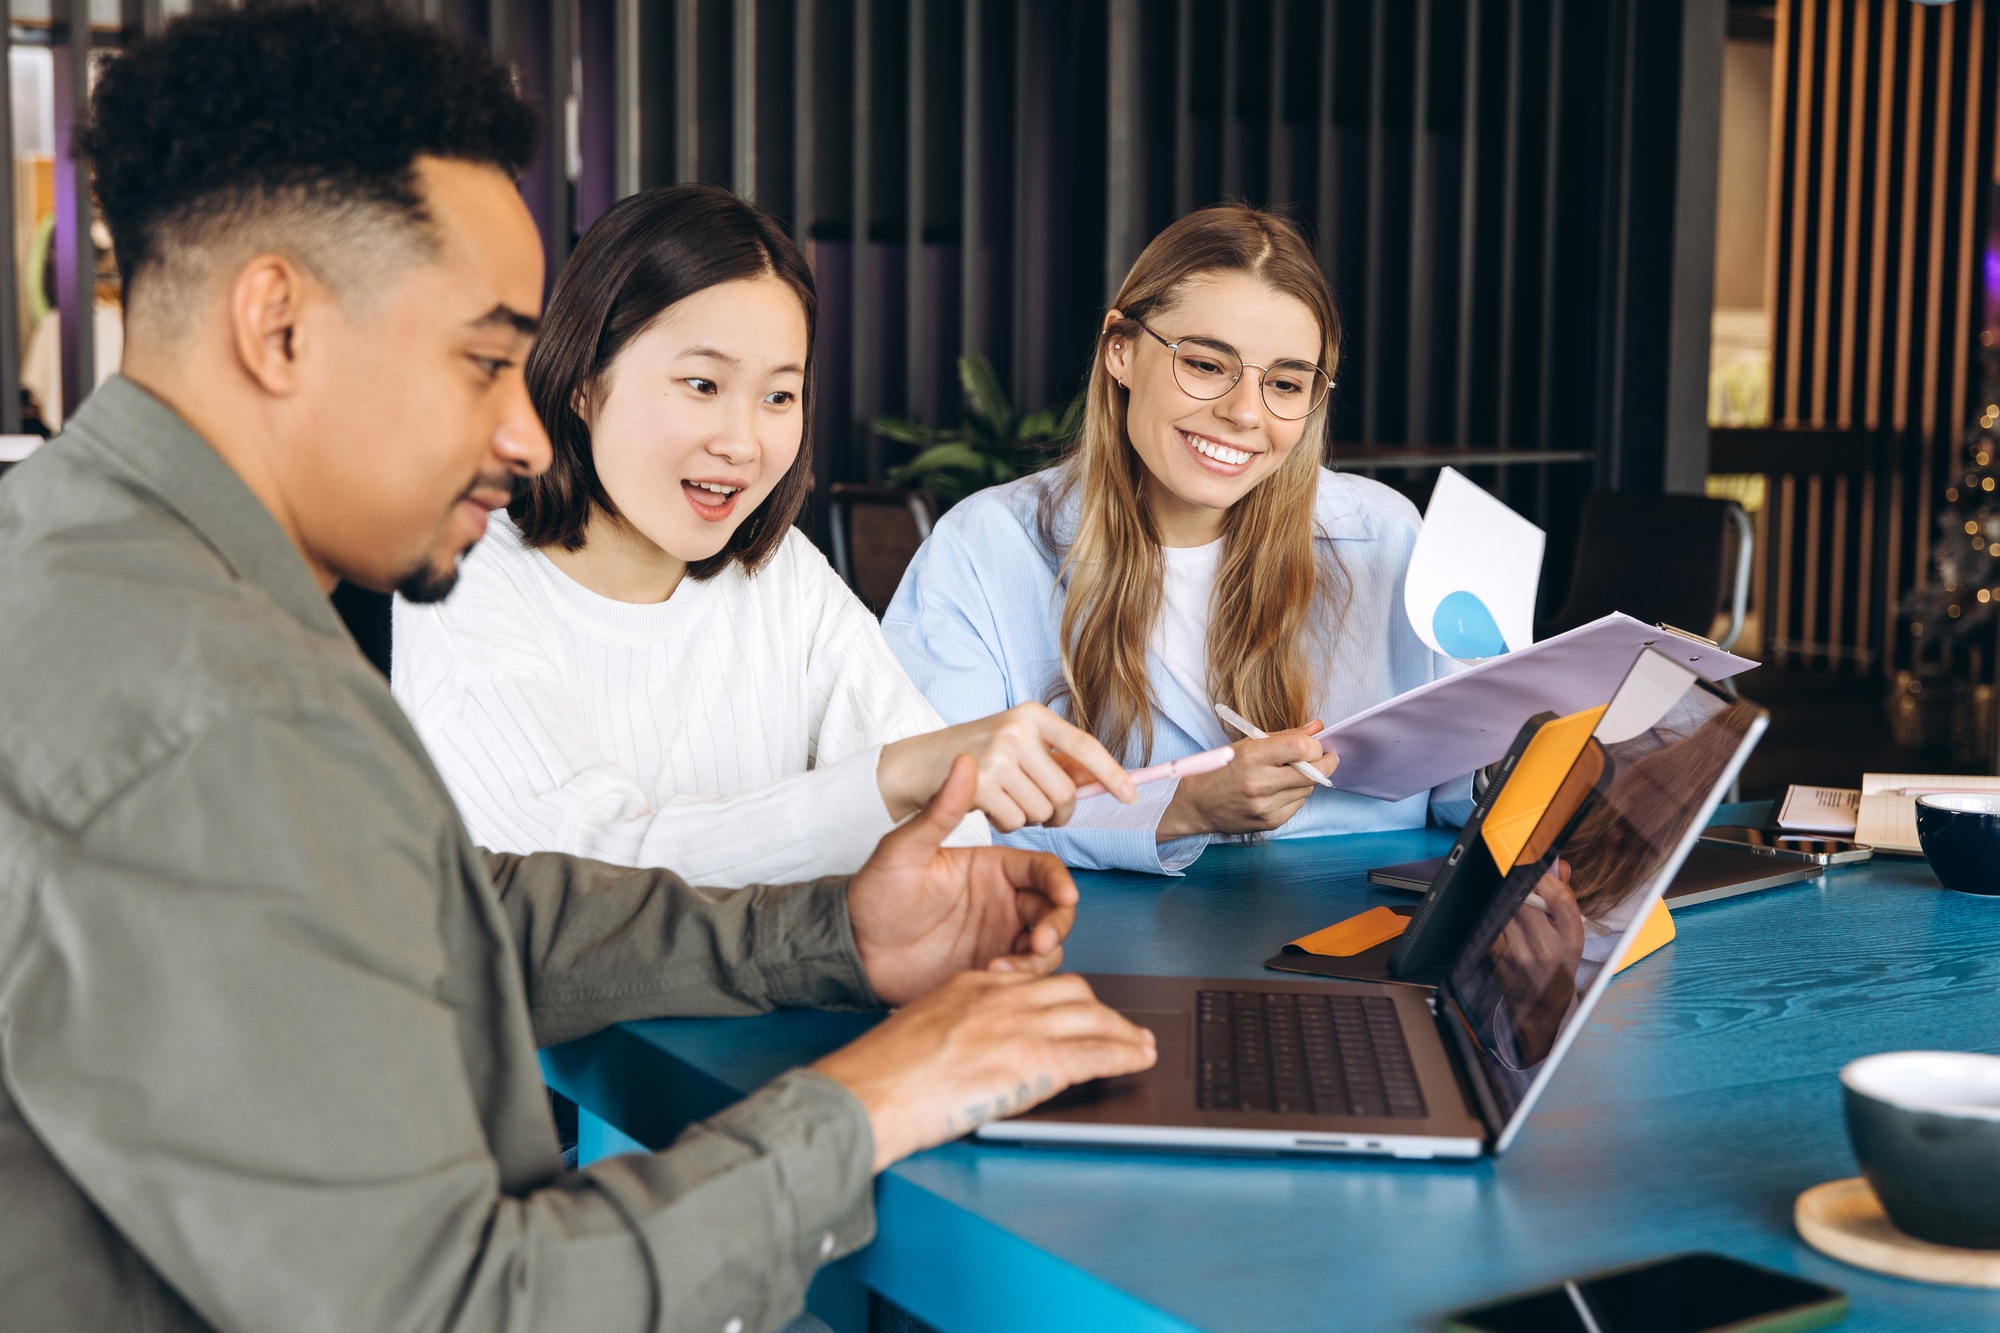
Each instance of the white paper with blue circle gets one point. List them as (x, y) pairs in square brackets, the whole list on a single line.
[(1470, 591)]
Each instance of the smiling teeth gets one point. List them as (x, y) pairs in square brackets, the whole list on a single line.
[(718, 489), (1221, 453)]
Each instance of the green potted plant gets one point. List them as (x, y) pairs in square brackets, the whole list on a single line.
[(991, 446)]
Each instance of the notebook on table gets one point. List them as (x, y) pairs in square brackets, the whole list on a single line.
[(1394, 1070), (1887, 817)]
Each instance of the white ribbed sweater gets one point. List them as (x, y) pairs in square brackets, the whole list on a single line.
[(730, 733)]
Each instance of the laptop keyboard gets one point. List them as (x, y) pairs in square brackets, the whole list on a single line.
[(1304, 1054)]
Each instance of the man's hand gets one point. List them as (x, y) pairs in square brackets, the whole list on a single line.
[(922, 912), (1030, 763), (988, 1045), (1256, 792)]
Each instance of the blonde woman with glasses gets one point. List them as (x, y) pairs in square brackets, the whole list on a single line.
[(1190, 555)]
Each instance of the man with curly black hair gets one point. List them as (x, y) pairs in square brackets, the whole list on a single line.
[(345, 154), (267, 1017)]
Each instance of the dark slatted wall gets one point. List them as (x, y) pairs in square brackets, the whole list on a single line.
[(1494, 186), (1513, 198), (1883, 158)]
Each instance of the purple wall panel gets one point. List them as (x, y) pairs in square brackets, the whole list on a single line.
[(935, 396), (833, 371), (72, 253), (597, 107), (531, 65)]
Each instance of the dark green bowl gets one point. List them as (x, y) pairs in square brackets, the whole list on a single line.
[(1925, 1126), (1960, 835)]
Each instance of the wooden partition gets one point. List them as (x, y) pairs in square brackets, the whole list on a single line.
[(1883, 162)]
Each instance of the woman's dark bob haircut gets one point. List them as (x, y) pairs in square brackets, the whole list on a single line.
[(652, 250)]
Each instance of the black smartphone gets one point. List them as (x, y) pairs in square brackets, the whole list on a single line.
[(1687, 1293)]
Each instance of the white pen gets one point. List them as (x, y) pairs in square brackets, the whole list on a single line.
[(1242, 724)]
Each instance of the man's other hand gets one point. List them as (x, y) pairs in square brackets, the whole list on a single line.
[(923, 913), (988, 1045)]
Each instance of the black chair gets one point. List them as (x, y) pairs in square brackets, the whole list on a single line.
[(876, 532), (1677, 560)]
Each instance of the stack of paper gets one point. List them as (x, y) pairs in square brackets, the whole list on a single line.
[(1887, 818), (1819, 810)]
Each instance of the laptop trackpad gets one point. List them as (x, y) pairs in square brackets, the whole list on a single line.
[(1165, 1089)]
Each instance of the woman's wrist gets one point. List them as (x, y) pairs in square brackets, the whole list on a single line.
[(1179, 820), (898, 776)]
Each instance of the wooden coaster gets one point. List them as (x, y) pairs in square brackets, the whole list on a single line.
[(1843, 1219)]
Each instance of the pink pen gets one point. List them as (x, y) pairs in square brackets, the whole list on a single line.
[(1205, 762)]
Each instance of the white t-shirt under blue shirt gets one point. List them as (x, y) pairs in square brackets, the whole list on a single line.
[(1180, 634)]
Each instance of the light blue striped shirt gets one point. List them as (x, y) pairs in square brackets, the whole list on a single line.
[(976, 621)]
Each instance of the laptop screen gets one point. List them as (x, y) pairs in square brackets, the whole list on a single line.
[(1584, 882)]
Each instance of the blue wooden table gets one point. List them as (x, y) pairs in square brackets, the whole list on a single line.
[(1697, 1106)]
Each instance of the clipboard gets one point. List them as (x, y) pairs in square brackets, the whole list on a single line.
[(1455, 724)]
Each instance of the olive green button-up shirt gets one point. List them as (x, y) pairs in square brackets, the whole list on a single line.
[(268, 1019)]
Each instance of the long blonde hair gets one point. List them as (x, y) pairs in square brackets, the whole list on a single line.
[(1267, 642)]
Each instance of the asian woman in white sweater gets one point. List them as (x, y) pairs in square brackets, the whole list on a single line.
[(644, 662)]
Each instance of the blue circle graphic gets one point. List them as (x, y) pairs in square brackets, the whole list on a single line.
[(1465, 628)]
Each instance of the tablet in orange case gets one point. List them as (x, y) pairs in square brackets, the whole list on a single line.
[(1533, 784)]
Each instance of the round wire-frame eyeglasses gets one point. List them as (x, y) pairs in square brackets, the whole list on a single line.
[(1208, 368)]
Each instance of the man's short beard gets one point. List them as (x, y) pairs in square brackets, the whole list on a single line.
[(427, 583)]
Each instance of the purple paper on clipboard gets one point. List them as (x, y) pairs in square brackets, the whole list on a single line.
[(1466, 720)]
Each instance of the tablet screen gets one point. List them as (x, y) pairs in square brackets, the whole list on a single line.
[(1592, 870)]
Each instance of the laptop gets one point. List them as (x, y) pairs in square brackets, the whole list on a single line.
[(1356, 1067)]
